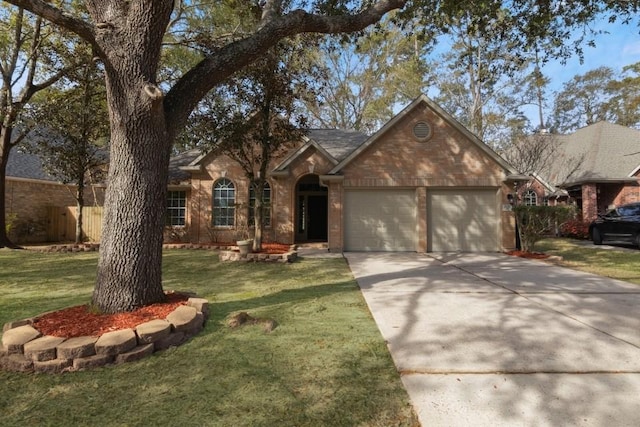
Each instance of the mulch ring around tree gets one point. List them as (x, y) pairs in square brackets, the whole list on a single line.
[(79, 337), (82, 320)]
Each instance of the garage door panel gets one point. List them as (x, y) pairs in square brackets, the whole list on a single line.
[(380, 220), (462, 220)]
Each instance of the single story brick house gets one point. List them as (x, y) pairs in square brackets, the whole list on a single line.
[(604, 161), (422, 183)]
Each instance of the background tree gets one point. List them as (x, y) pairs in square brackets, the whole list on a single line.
[(363, 83), (583, 100), (253, 119), (71, 132), (146, 117), (31, 59), (624, 103)]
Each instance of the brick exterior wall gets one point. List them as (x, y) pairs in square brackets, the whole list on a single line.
[(589, 202), (28, 200)]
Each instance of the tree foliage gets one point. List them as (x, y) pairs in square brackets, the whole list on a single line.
[(361, 84), (252, 118), (70, 132), (33, 56)]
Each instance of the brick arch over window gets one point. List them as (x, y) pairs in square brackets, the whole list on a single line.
[(224, 203)]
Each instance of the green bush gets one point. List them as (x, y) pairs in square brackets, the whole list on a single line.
[(535, 222)]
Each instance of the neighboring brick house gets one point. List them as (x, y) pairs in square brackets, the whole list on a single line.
[(605, 170), (31, 194), (421, 183)]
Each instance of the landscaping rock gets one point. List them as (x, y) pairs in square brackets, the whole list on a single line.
[(14, 339), (184, 318), (153, 331), (52, 366), (201, 304), (116, 342), (15, 324), (42, 349), (16, 363), (77, 347), (94, 361), (136, 354), (173, 340)]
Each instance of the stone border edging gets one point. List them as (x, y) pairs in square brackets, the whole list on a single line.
[(227, 255), (25, 349)]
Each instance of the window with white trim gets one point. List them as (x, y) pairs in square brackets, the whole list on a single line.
[(266, 205), (530, 198), (224, 203), (176, 208)]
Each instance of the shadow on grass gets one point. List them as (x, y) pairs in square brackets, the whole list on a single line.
[(221, 310)]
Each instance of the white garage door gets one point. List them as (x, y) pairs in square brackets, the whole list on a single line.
[(380, 220), (462, 220)]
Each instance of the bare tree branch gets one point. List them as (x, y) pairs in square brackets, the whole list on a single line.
[(58, 17), (192, 87)]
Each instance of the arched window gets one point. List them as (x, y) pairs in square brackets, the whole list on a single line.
[(224, 201), (266, 205), (530, 198)]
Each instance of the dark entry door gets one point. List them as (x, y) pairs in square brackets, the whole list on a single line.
[(317, 217)]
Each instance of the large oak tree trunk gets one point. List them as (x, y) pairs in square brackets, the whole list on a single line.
[(129, 269)]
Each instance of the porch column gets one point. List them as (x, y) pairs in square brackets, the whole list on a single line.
[(335, 230), (589, 202)]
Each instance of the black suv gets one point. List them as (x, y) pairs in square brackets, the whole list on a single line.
[(621, 224)]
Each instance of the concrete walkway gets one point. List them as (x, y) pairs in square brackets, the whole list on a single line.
[(494, 340)]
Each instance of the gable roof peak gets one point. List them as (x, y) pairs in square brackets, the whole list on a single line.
[(424, 99)]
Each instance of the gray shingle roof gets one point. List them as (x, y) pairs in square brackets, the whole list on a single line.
[(609, 152), (338, 143), (183, 159), (26, 165)]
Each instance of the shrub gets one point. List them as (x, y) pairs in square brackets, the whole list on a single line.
[(575, 228), (534, 222)]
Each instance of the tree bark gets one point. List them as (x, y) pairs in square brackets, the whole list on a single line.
[(130, 264), (79, 208), (5, 147)]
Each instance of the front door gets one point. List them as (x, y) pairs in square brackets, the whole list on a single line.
[(311, 210)]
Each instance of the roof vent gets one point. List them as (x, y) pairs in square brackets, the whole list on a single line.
[(422, 131)]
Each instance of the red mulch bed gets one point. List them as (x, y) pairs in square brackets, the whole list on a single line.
[(275, 248), (81, 321), (530, 255)]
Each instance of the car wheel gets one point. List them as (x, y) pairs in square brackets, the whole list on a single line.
[(596, 236)]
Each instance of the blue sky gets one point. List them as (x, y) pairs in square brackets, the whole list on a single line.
[(618, 48)]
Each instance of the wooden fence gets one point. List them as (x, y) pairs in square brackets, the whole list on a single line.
[(61, 223)]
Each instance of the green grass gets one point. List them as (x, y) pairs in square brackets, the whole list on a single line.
[(623, 265), (324, 365)]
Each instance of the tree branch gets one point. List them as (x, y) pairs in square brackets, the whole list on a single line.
[(58, 17), (195, 84)]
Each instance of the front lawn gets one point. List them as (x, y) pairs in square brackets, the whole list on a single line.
[(585, 256), (324, 365)]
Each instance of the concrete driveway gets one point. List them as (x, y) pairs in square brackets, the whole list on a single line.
[(494, 340)]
